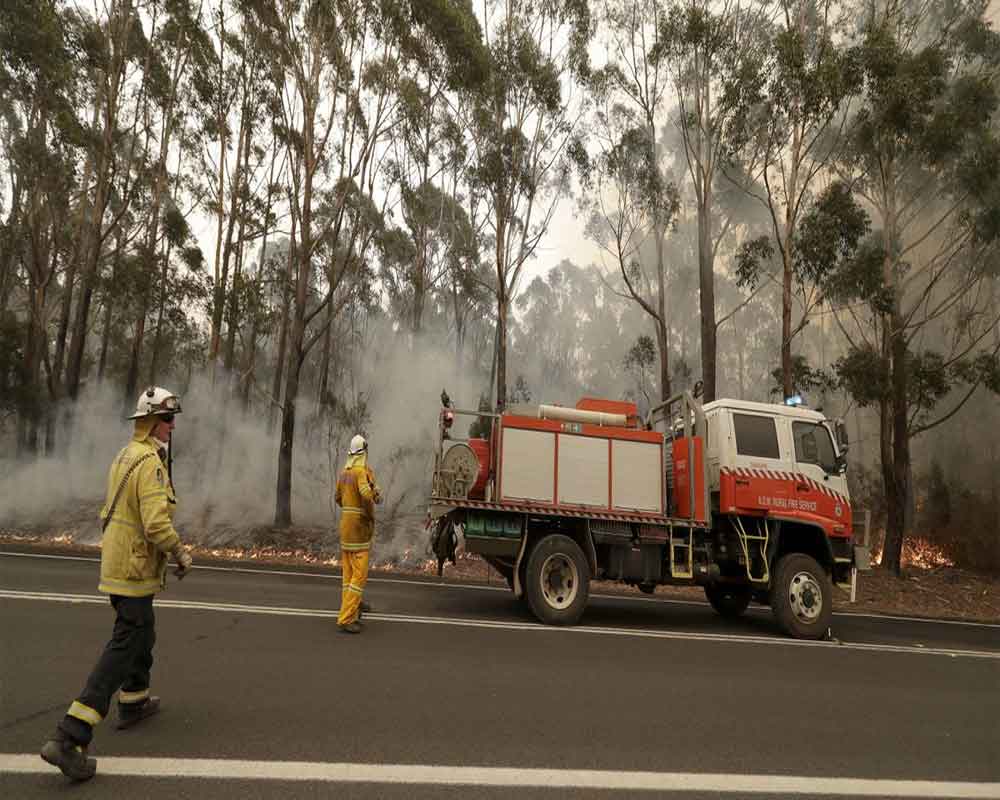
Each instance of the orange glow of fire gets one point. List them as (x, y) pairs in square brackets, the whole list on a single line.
[(920, 554)]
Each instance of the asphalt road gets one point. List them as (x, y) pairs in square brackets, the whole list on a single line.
[(455, 691)]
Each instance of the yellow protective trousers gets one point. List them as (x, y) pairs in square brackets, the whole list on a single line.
[(354, 566)]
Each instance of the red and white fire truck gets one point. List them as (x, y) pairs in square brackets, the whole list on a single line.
[(748, 500)]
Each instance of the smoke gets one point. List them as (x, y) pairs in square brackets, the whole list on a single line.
[(225, 460)]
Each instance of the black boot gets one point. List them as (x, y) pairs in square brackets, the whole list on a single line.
[(350, 627), (71, 758), (133, 713)]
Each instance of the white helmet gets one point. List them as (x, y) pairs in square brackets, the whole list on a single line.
[(156, 401), (358, 445)]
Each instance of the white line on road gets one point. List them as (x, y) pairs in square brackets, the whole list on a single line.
[(304, 574), (480, 587), (511, 777), (639, 633)]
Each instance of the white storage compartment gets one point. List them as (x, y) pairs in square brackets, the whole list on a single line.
[(635, 476), (528, 468), (583, 471)]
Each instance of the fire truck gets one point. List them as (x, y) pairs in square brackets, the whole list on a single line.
[(748, 500)]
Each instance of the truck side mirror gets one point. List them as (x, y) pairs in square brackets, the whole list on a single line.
[(842, 440)]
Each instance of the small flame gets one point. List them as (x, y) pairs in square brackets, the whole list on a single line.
[(920, 554)]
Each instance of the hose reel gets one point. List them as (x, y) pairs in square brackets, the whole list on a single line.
[(458, 471)]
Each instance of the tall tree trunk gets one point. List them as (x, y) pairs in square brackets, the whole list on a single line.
[(740, 342), (897, 493), (502, 301), (283, 504), (34, 342), (10, 245), (161, 302), (80, 236), (662, 333), (706, 281), (247, 379), (704, 176), (787, 255), (251, 361), (660, 321), (787, 381), (108, 306), (240, 202), (286, 298), (324, 375), (501, 352), (69, 283), (233, 318), (894, 416), (135, 353), (219, 276)]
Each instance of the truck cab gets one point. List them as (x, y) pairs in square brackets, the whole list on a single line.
[(782, 461)]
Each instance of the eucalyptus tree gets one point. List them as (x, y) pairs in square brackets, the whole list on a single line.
[(925, 156), (793, 113), (465, 290), (445, 62), (714, 50), (111, 44), (177, 46), (244, 84), (254, 189), (628, 193), (40, 85), (341, 65), (523, 129)]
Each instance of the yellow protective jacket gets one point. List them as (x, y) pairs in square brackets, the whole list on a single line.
[(140, 533), (356, 495)]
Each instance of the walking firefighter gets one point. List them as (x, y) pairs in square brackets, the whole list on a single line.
[(137, 519)]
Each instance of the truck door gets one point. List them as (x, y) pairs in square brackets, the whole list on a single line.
[(820, 488), (760, 464)]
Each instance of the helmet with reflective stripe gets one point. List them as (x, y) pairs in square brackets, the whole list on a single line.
[(358, 445), (156, 401)]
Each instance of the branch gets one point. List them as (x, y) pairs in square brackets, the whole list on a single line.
[(921, 428)]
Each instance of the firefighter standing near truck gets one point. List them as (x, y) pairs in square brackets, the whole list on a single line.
[(357, 494), (138, 536)]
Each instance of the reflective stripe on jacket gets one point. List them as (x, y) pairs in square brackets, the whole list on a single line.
[(356, 495), (141, 532)]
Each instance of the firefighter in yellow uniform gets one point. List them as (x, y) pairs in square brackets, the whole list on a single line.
[(357, 495), (138, 535)]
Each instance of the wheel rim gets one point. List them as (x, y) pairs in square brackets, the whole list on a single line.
[(560, 581), (805, 595)]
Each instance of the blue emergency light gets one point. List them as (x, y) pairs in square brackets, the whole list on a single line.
[(794, 400)]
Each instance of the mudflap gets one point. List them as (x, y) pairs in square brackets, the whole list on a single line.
[(444, 540)]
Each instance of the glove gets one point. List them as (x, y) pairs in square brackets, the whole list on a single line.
[(377, 496), (183, 560)]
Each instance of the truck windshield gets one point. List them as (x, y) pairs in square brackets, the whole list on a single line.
[(813, 445)]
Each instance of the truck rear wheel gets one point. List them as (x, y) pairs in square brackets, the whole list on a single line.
[(801, 596), (557, 580), (729, 600)]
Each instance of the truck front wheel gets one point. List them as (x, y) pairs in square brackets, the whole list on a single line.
[(801, 596), (729, 601), (557, 580)]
